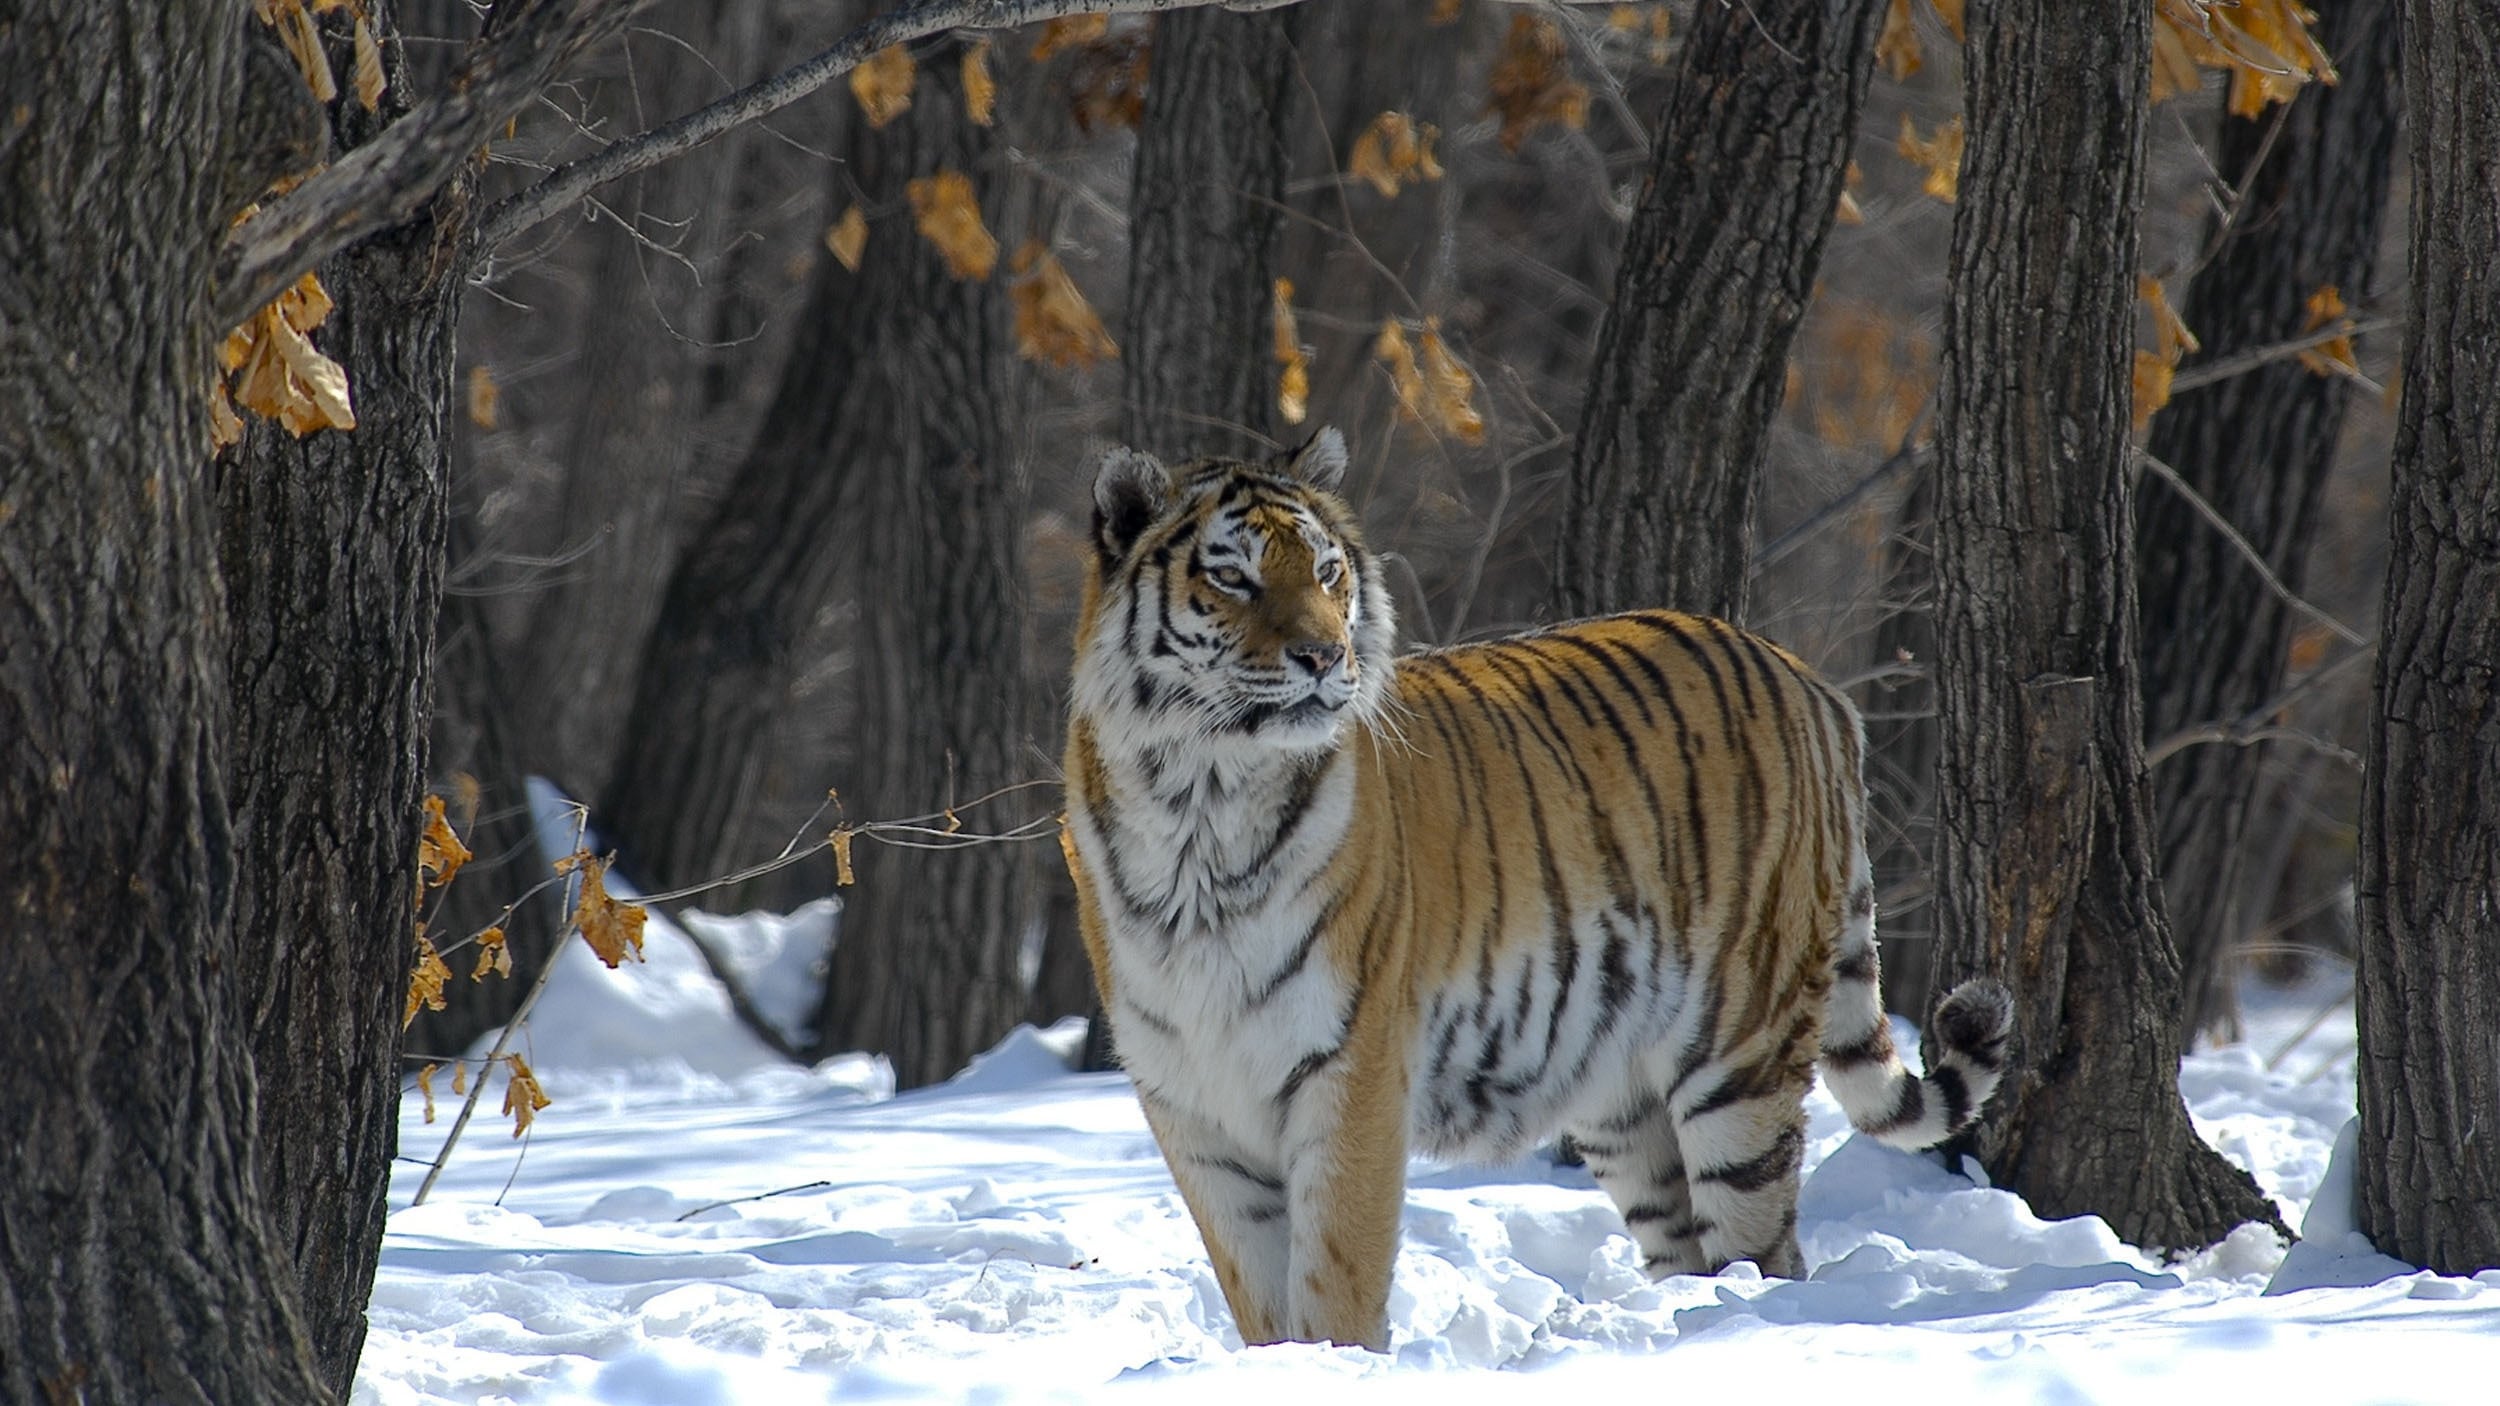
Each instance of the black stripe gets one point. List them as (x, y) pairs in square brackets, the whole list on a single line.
[(1301, 957), (1259, 1179), (1755, 1173), (1908, 1107), (1876, 1048), (1860, 965), (1310, 1064), (1956, 1093)]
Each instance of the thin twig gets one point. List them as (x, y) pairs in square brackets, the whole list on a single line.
[(759, 1196), (2222, 368), (2256, 559)]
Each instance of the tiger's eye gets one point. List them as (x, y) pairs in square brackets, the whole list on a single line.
[(1330, 573), (1230, 578)]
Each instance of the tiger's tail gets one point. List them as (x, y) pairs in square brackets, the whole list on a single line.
[(1883, 1098)]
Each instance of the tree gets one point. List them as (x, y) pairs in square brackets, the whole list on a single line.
[(2309, 188), (1749, 156), (137, 1259), (2429, 1003), (2045, 865)]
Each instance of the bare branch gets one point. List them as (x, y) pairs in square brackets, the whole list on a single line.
[(568, 183), (388, 180), (2223, 368), (2256, 560), (2241, 735)]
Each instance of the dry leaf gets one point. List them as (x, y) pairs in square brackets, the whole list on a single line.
[(1107, 90), (843, 877), (882, 82), (1393, 149), (1060, 35), (485, 398), (2171, 337), (439, 852), (980, 90), (949, 216), (2152, 386), (1897, 47), (369, 78), (612, 928), (425, 981), (848, 238), (2334, 357), (1950, 11), (280, 374), (522, 1097), (1054, 323), (1293, 377), (2265, 45), (1941, 155), (1532, 84), (302, 39), (493, 955), (460, 1076), (1433, 389), (425, 1085), (1847, 212), (225, 428)]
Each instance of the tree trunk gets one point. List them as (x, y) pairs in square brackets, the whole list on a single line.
[(1658, 508), (2045, 865), (926, 971), (332, 549), (2429, 1008), (2258, 447), (137, 1260), (1204, 202)]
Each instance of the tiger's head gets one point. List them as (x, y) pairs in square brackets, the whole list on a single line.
[(1231, 603)]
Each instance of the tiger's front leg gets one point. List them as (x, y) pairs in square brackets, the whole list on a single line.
[(1346, 1191), (1237, 1196)]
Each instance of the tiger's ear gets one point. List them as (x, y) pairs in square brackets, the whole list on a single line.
[(1130, 490), (1320, 462)]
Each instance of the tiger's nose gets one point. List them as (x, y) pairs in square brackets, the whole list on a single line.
[(1318, 656)]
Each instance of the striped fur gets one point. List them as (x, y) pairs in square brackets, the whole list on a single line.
[(1607, 879)]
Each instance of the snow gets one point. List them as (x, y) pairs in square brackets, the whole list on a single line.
[(694, 1221)]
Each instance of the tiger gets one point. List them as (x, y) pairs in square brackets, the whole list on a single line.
[(1605, 880)]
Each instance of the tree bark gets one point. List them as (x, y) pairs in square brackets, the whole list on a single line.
[(332, 554), (2429, 1009), (1658, 508), (137, 1260), (2258, 447), (2045, 868)]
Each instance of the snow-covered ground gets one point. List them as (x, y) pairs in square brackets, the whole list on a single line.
[(692, 1222)]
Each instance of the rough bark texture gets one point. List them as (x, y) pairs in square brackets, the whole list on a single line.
[(630, 446), (1204, 202), (926, 971), (136, 1258), (332, 554), (2045, 866), (2429, 887), (2258, 447), (1658, 507)]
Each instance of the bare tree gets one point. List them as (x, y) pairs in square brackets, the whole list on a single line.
[(1746, 175), (2045, 865), (2429, 1007), (2308, 188)]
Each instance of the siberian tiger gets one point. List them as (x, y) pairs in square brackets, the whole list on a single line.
[(1606, 879)]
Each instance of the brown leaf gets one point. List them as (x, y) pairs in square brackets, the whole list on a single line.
[(1054, 323), (369, 79), (1941, 155), (1897, 47), (1847, 211), (1531, 83), (1393, 149), (439, 852), (1433, 389), (2151, 386), (1293, 377), (882, 83), (1107, 90), (2335, 357), (2265, 45), (1950, 11), (980, 90), (425, 1085), (225, 427), (302, 39), (522, 1097), (425, 981), (612, 928), (493, 955), (1058, 35), (948, 215), (485, 397), (843, 876), (2171, 337), (460, 1076), (848, 238)]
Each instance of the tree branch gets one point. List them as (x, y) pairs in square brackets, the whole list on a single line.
[(568, 183), (2222, 368), (2256, 559), (388, 180)]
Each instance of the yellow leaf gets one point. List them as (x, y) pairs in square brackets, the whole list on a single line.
[(1060, 35), (302, 39), (2171, 337), (1293, 377), (460, 1077), (1532, 85), (848, 238), (1433, 389), (2152, 386), (2265, 45), (2334, 357), (493, 955), (439, 852), (369, 80), (225, 428), (425, 981), (882, 83), (843, 877), (485, 398), (613, 929), (425, 1085), (1054, 323), (1941, 155), (980, 90), (1394, 148), (1897, 47), (949, 216), (522, 1097)]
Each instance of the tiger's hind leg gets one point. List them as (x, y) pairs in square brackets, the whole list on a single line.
[(1741, 1127), (1634, 1155)]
